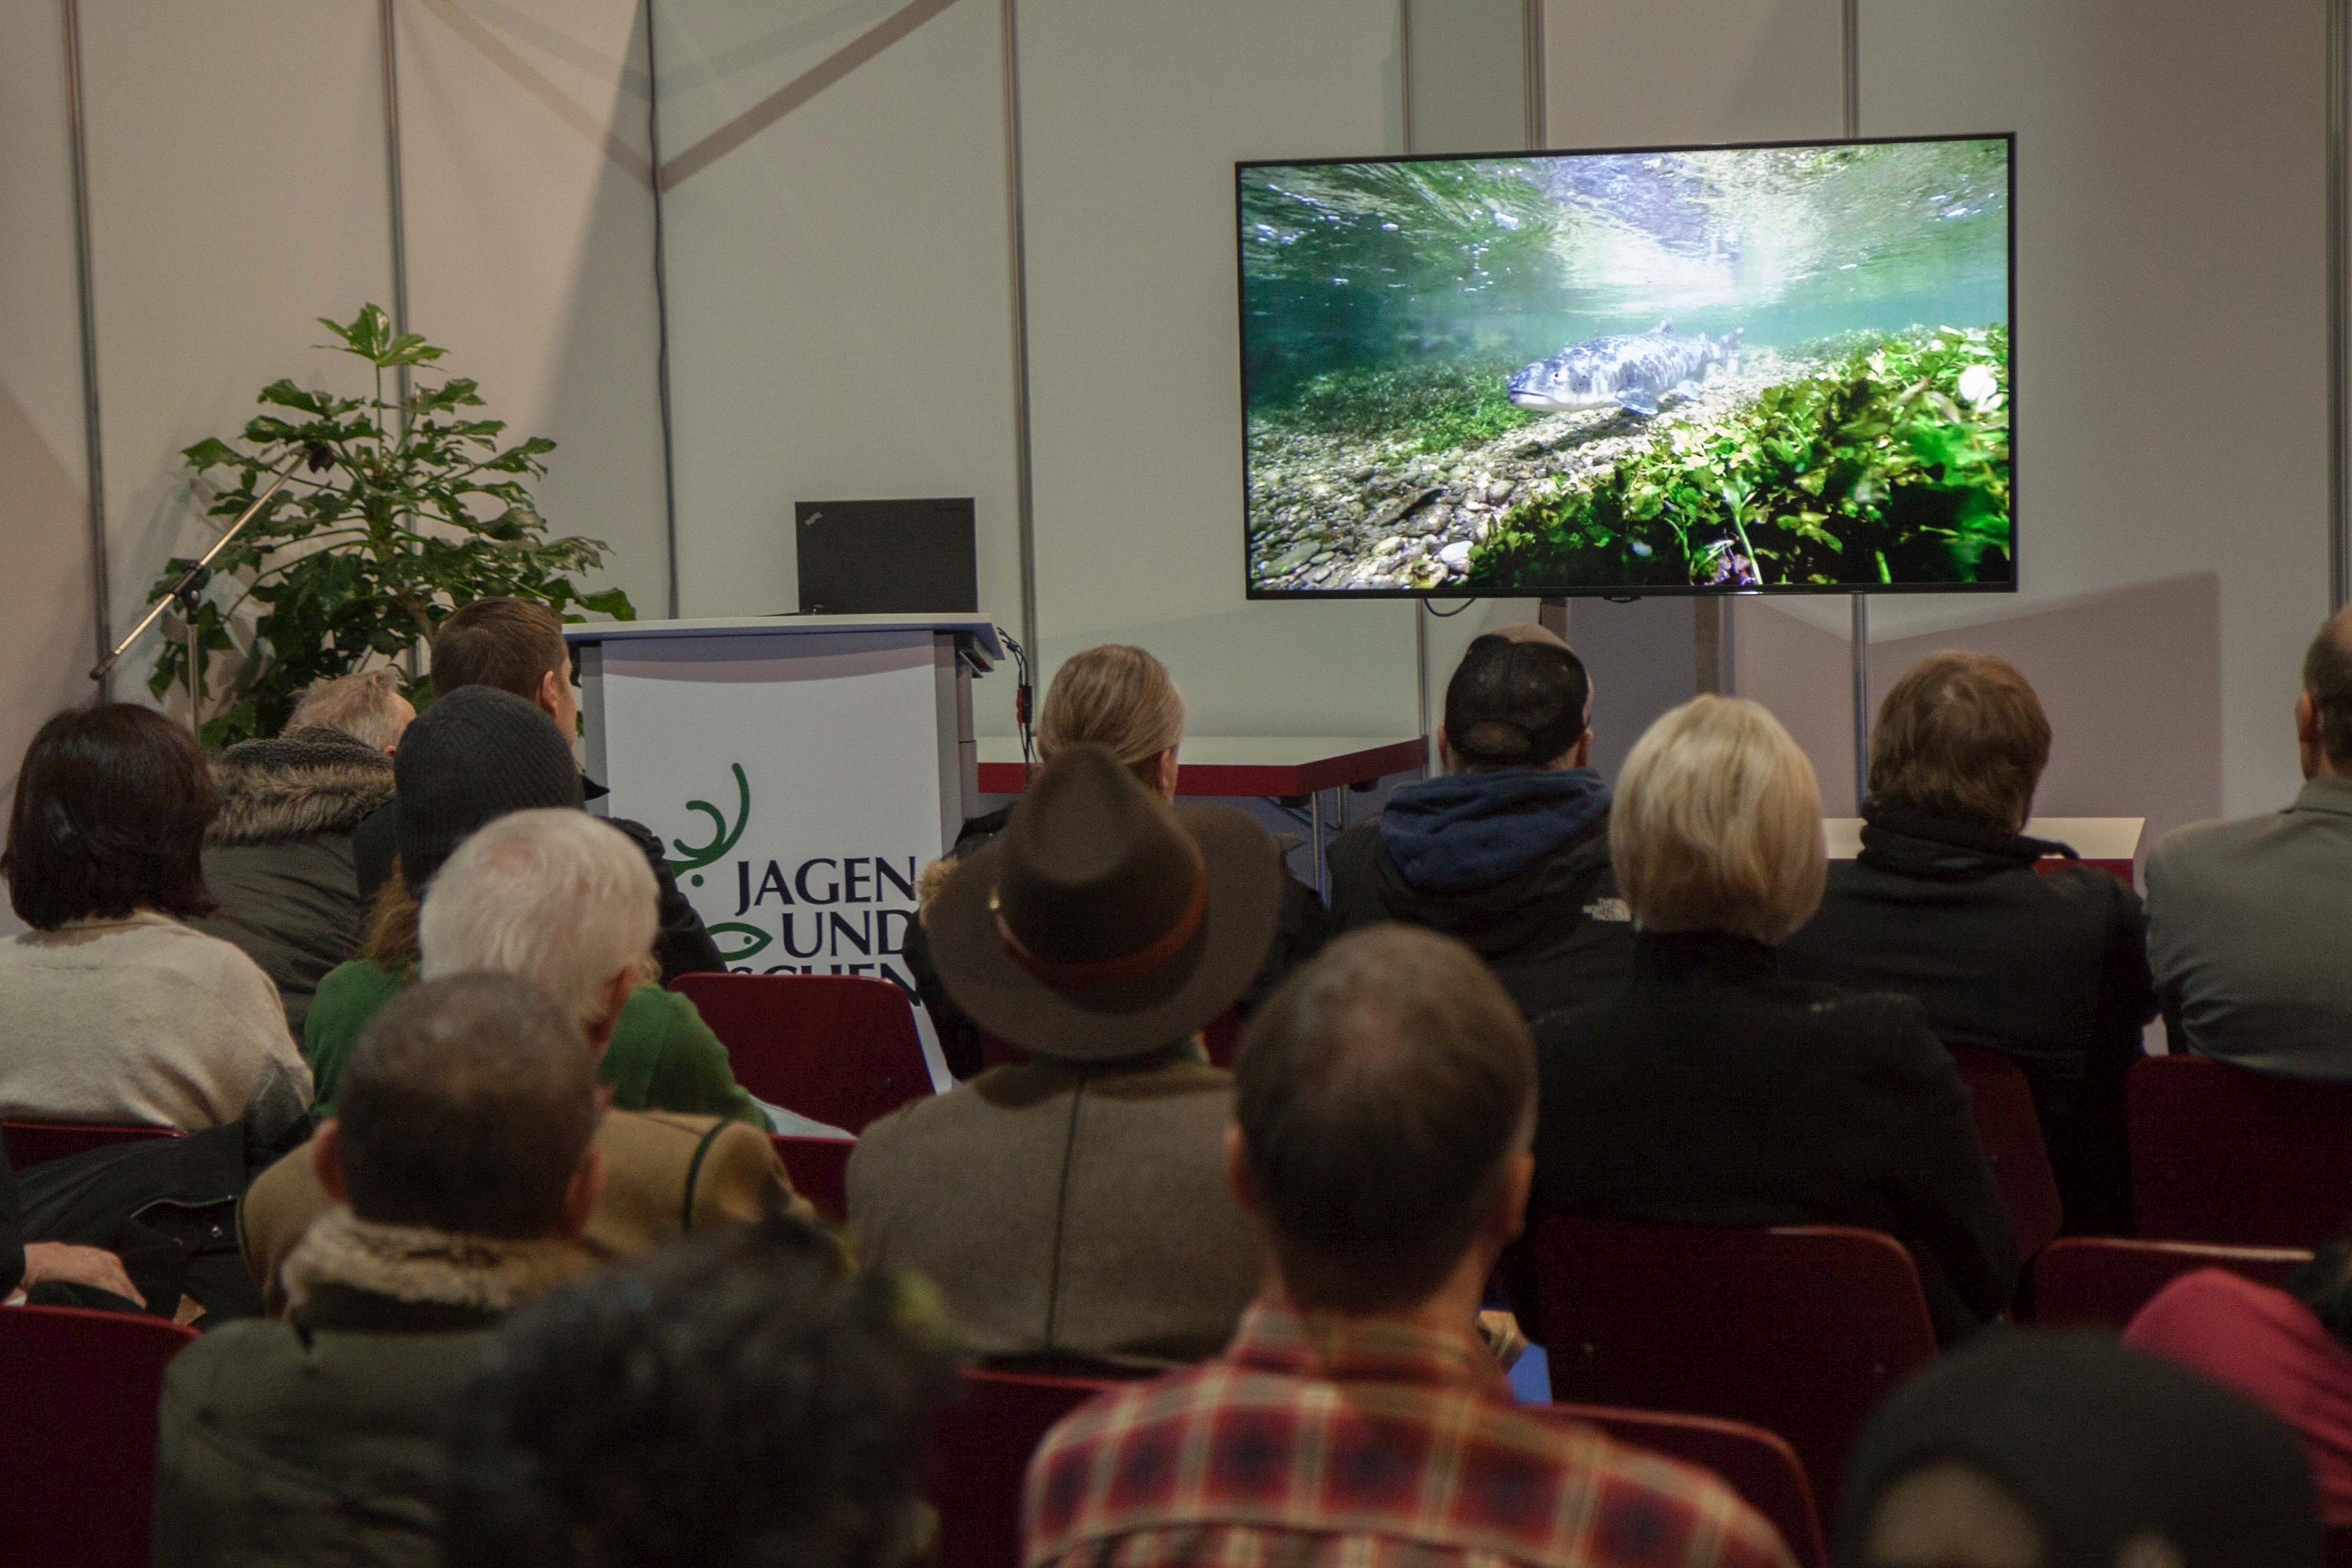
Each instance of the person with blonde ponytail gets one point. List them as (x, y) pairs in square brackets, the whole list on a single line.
[(1124, 700)]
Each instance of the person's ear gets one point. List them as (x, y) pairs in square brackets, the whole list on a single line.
[(1444, 752), (327, 1160), (1509, 1214), (579, 1198), (1168, 773), (2306, 719), (552, 688), (617, 991), (1583, 755), (1237, 1174)]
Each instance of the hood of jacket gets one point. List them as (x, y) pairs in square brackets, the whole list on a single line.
[(1943, 848), (1474, 829), (309, 781), (422, 1271)]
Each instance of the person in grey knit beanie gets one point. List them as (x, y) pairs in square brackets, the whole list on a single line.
[(471, 757)]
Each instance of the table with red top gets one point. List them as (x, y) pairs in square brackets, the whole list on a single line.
[(2111, 843), (1287, 768)]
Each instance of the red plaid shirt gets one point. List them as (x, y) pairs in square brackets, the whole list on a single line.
[(1327, 1440)]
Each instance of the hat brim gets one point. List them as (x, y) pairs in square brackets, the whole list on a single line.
[(1245, 905)]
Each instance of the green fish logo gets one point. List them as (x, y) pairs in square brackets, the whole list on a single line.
[(723, 839)]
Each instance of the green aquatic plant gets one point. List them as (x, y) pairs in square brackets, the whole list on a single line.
[(1426, 407), (1892, 466)]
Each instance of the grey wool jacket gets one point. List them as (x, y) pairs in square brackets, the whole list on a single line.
[(2246, 931), (278, 857), (1067, 1210)]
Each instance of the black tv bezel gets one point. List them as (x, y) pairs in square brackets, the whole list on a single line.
[(1621, 593)]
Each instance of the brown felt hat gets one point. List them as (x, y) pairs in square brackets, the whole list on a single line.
[(1104, 923)]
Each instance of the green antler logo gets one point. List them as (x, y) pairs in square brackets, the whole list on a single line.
[(723, 839)]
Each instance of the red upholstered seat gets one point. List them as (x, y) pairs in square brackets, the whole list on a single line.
[(37, 1143), (820, 1171), (1759, 1465), (1800, 1330), (841, 1049), (78, 1433), (2002, 1104), (980, 1456), (2098, 1281), (2223, 1155)]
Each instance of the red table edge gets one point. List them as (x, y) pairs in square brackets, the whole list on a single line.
[(1270, 780)]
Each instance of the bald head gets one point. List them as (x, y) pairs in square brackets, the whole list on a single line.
[(2327, 687), (467, 1106), (1380, 1095)]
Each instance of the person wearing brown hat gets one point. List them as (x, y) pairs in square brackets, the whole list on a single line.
[(1074, 1209)]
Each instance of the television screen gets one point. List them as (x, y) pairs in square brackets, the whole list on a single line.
[(1763, 368)]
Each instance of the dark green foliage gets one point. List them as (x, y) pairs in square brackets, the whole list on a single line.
[(1879, 471), (1433, 405), (421, 511)]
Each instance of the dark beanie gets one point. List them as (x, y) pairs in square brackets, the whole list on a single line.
[(469, 759)]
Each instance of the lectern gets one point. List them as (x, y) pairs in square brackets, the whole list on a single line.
[(801, 769)]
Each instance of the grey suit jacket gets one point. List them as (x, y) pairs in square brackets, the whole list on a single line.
[(2249, 935)]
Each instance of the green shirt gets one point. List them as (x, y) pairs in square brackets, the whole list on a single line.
[(663, 1056)]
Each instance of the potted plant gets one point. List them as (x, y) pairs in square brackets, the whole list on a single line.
[(417, 510)]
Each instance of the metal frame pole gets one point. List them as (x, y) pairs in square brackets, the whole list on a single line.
[(661, 312), (101, 592), (2339, 306), (1538, 111), (1017, 238), (1850, 39), (394, 189)]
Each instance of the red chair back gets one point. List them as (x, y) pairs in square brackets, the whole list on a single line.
[(980, 1458), (820, 1171), (841, 1049), (2223, 1155), (31, 1144), (2083, 1282), (1800, 1330), (2001, 1103), (1757, 1464), (78, 1433)]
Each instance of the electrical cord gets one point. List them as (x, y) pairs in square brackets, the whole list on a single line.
[(1437, 614), (1023, 701)]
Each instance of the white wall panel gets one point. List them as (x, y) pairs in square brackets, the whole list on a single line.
[(531, 245)]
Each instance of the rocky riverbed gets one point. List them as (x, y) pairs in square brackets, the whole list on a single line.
[(1344, 514)]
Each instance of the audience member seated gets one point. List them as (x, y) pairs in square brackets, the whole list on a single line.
[(1709, 1090), (557, 898), (112, 1009), (1385, 1099), (278, 858), (1124, 700), (1944, 904), (463, 1172), (2286, 1350), (516, 646), (1075, 1207), (2071, 1451), (1509, 849), (27, 1266), (475, 756), (740, 1400), (2245, 918)]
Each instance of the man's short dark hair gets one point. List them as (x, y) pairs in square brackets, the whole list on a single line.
[(1516, 703), (2327, 676), (740, 1398), (465, 1107), (110, 816), (1380, 1092), (510, 643)]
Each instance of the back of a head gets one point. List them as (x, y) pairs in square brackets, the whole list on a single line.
[(2328, 680), (470, 758), (1960, 735), (554, 895), (1716, 824), (740, 1400), (2081, 1453), (1118, 697), (465, 1107), (1516, 701), (368, 707), (109, 817), (1380, 1092), (509, 643)]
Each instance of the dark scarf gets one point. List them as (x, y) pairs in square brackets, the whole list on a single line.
[(1910, 843)]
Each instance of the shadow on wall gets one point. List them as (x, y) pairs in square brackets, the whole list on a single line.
[(2131, 679)]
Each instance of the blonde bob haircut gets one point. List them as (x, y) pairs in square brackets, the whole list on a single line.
[(1718, 824), (1119, 698)]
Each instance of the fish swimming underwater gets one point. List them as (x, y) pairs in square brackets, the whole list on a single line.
[(1633, 370)]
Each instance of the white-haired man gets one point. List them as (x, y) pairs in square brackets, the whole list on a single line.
[(560, 897), (278, 857)]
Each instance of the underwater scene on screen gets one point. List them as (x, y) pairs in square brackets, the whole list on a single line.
[(1738, 370)]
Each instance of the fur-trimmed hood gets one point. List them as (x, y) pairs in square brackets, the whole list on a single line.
[(423, 1266), (306, 781)]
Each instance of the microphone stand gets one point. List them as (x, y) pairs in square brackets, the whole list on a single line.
[(188, 592)]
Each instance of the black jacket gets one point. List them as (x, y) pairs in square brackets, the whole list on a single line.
[(2050, 970), (1711, 1091), (1557, 933), (681, 944)]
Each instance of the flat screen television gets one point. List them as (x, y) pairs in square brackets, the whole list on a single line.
[(1780, 368)]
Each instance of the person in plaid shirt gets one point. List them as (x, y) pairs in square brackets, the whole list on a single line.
[(1384, 1108)]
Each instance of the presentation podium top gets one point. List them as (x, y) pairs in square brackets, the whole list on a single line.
[(977, 641)]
